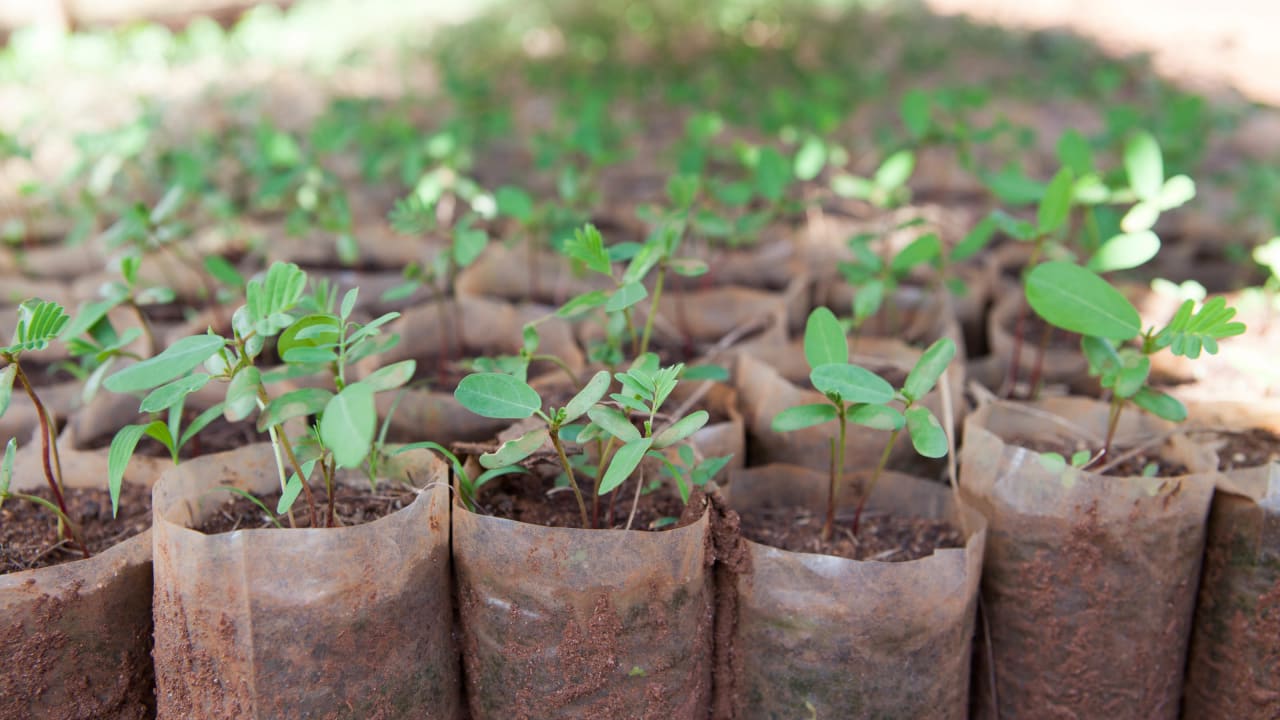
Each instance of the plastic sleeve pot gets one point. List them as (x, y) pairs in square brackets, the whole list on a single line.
[(1235, 642), (819, 635), (1089, 580), (77, 636), (571, 623), (352, 622)]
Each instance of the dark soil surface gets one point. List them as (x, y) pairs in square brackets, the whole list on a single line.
[(1247, 449), (530, 499), (882, 537), (352, 506), (29, 535), (1131, 466)]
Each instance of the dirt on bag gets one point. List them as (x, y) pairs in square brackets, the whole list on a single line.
[(571, 623), (823, 636), (1089, 580), (349, 622)]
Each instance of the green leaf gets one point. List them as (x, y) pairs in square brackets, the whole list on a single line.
[(6, 466), (772, 174), (624, 462), (852, 383), (1140, 217), (6, 386), (867, 300), (348, 424), (626, 296), (810, 159), (201, 422), (1189, 332), (310, 331), (803, 416), (894, 172), (1055, 206), (916, 108), (172, 393), (582, 303), (681, 429), (1160, 405), (975, 240), (492, 473), (468, 244), (587, 247), (923, 250), (513, 451), (348, 304), (223, 271), (292, 488), (121, 451), (39, 323), (718, 373), (926, 432), (824, 342), (242, 394), (177, 359), (495, 395), (514, 203), (297, 403), (1131, 378), (391, 376), (1144, 165), (876, 417), (1078, 300), (641, 263), (589, 395), (1177, 191), (928, 369), (1125, 251), (852, 186), (1074, 152), (614, 422)]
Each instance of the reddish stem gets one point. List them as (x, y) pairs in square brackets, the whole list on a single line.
[(55, 483)]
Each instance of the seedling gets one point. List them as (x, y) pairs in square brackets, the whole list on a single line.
[(644, 388), (875, 280), (1078, 300), (414, 216), (343, 434), (855, 394), (887, 188), (39, 323)]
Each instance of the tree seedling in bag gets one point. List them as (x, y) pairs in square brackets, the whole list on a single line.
[(39, 323), (644, 388), (1078, 300), (343, 434), (857, 395)]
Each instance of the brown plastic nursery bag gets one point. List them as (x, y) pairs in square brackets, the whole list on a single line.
[(1089, 580)]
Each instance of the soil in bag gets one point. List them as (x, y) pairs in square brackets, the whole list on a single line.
[(29, 532), (883, 537), (562, 622), (352, 506)]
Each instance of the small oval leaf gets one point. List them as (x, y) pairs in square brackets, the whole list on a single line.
[(589, 395), (614, 422), (496, 395), (348, 423), (929, 368), (926, 432), (681, 429), (824, 342), (1078, 300), (177, 359), (513, 451), (803, 416), (624, 462), (852, 383)]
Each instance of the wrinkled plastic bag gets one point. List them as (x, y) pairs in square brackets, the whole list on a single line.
[(352, 622)]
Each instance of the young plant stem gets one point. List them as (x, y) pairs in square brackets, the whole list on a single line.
[(605, 452), (1113, 422), (653, 309), (568, 469), (875, 477), (329, 487), (48, 456), (285, 445), (564, 367), (635, 501), (1038, 369), (153, 347), (837, 472), (1011, 382)]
